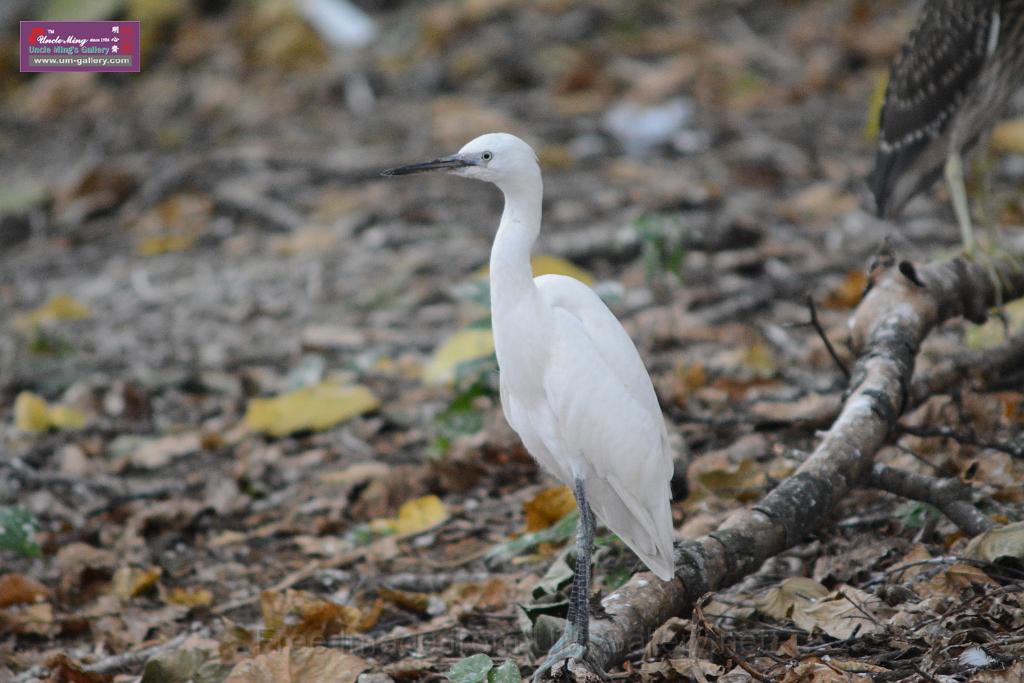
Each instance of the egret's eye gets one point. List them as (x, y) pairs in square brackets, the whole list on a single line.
[(486, 156)]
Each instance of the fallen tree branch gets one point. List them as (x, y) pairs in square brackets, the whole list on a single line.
[(951, 496), (990, 367), (903, 305), (1010, 449)]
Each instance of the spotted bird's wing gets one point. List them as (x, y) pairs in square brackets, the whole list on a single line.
[(935, 70)]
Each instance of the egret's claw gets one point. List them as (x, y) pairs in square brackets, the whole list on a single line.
[(561, 652)]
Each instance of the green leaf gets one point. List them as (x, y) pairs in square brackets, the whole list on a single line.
[(173, 666), (913, 515), (558, 576), (471, 669), (506, 673), (558, 531), (17, 528), (461, 416)]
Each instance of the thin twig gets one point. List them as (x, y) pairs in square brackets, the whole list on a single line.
[(816, 324), (722, 645), (965, 439)]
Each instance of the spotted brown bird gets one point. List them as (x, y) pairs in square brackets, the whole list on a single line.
[(954, 75)]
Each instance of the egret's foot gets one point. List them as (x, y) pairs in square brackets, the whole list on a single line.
[(561, 652), (567, 649)]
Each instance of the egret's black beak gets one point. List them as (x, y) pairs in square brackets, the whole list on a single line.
[(443, 164)]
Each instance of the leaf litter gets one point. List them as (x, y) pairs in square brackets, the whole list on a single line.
[(237, 447)]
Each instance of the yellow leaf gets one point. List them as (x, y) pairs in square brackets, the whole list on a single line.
[(1008, 136), (164, 244), (129, 582), (200, 597), (873, 122), (466, 345), (316, 408), (60, 307), (63, 417), (31, 413), (545, 264), (547, 507), (760, 359), (993, 332), (414, 516)]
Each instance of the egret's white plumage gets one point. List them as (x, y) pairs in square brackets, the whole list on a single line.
[(573, 385)]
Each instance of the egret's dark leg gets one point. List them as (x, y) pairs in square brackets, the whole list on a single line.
[(573, 643), (581, 578)]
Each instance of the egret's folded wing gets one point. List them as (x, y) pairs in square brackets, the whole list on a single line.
[(606, 334), (613, 440)]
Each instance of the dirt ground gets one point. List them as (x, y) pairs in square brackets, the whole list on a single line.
[(178, 245)]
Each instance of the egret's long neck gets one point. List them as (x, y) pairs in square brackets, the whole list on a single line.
[(511, 275)]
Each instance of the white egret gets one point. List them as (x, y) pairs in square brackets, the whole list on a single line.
[(573, 385)]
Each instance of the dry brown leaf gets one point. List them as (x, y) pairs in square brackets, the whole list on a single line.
[(129, 582), (808, 605), (1002, 541), (688, 378), (812, 410), (815, 670), (299, 616), (953, 580), (699, 669), (789, 648), (547, 507), (1013, 674), (64, 670), (29, 620), (16, 589), (83, 569), (301, 665), (191, 598), (410, 600), (842, 613), (780, 602), (742, 481), (357, 474), (495, 595), (1008, 136), (155, 453), (912, 564), (818, 203), (848, 294)]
